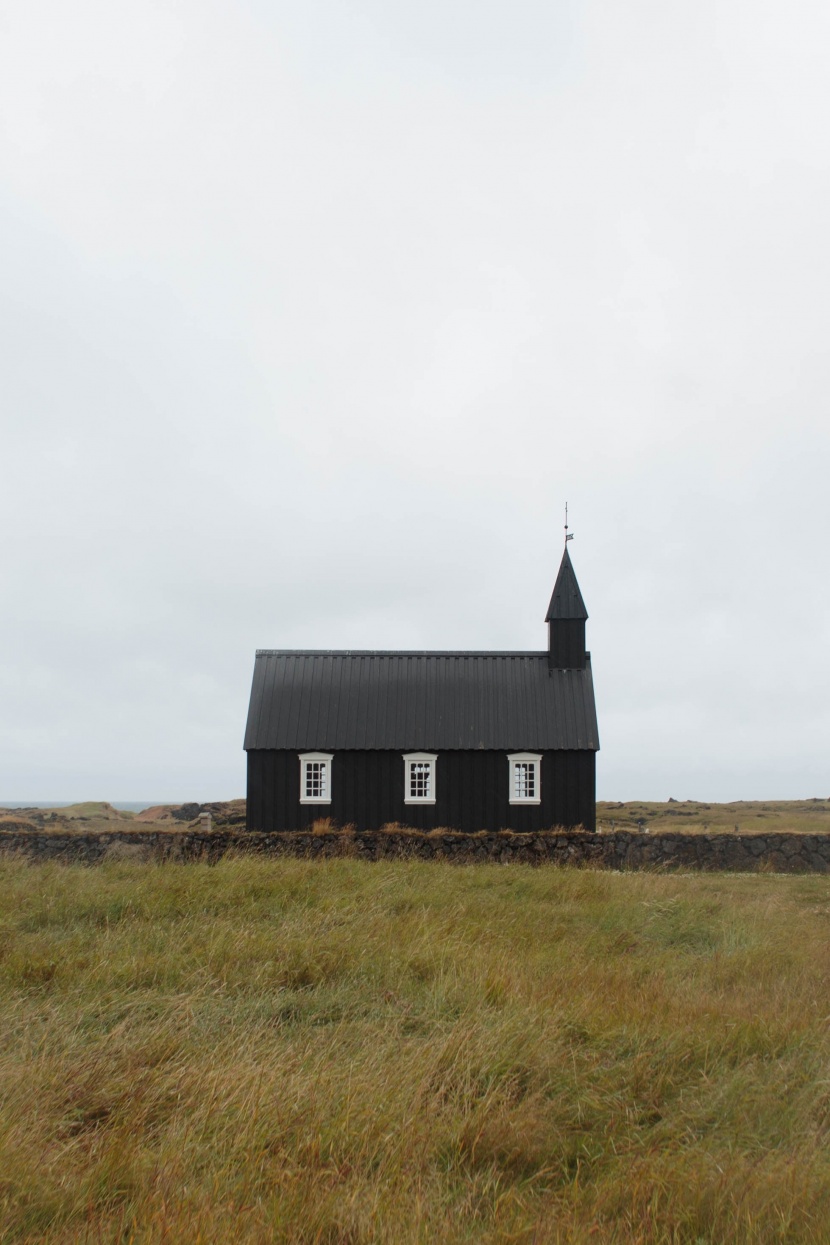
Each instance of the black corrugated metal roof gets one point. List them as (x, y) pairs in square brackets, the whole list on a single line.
[(566, 601), (321, 699)]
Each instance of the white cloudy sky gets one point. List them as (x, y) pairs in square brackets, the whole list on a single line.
[(313, 313)]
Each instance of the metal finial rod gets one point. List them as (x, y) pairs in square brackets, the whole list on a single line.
[(568, 535)]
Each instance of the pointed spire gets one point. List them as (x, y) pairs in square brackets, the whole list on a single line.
[(566, 601)]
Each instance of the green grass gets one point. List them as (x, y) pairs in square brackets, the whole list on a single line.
[(338, 1052)]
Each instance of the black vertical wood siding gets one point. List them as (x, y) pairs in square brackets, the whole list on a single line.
[(471, 791), (567, 643)]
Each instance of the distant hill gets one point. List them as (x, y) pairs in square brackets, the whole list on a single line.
[(688, 816), (98, 814), (694, 816), (98, 809)]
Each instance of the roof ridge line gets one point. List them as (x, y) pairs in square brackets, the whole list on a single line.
[(398, 652)]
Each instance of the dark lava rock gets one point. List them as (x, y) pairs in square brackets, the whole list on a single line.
[(186, 812)]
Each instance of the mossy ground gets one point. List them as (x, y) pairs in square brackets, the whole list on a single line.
[(340, 1052)]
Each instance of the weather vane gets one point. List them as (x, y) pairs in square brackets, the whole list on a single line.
[(568, 535)]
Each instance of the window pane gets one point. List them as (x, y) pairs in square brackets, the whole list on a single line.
[(519, 780), (524, 780), (420, 780), (316, 779)]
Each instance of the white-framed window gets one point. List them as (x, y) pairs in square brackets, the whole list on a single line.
[(315, 777), (525, 778), (419, 779)]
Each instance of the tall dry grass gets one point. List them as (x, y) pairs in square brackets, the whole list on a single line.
[(338, 1052)]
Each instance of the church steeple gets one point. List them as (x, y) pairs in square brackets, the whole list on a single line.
[(566, 620)]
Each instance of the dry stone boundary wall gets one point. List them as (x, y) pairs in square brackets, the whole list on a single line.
[(620, 849)]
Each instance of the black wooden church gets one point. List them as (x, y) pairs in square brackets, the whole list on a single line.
[(471, 741)]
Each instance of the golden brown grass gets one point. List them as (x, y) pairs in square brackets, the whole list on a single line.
[(339, 1052), (695, 817)]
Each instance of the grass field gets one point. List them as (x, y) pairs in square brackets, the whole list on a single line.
[(695, 817), (338, 1052)]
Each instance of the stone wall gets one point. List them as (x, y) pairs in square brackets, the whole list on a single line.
[(620, 849)]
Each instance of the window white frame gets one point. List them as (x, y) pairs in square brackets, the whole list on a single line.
[(419, 771), (315, 766), (525, 771)]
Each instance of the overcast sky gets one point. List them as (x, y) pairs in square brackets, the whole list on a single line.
[(313, 314)]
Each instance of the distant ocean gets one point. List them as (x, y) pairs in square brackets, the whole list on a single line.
[(128, 806)]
